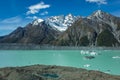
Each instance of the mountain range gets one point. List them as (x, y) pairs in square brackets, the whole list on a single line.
[(98, 29)]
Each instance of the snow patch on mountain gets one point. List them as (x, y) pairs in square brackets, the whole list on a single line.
[(61, 22), (96, 15), (37, 21)]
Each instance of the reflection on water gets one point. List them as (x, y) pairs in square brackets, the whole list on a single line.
[(50, 75), (103, 60)]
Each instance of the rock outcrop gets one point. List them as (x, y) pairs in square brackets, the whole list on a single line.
[(42, 72)]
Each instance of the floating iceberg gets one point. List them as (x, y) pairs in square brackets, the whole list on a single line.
[(116, 57), (92, 53)]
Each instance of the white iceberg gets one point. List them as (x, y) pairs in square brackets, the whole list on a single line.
[(116, 57), (87, 65), (93, 53)]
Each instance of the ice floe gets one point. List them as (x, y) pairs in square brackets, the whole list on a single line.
[(116, 57), (92, 53)]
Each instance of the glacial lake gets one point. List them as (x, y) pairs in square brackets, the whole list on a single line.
[(107, 61)]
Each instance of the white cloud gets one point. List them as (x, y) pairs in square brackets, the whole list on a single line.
[(9, 24), (7, 27), (16, 19), (37, 7), (44, 13), (33, 17), (97, 1)]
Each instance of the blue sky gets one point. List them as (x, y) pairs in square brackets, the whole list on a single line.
[(15, 13)]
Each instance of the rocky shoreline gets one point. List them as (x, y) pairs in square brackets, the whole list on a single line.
[(14, 46), (44, 72)]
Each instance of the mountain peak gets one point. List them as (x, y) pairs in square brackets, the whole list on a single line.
[(61, 22), (98, 12), (69, 14), (98, 15), (37, 21)]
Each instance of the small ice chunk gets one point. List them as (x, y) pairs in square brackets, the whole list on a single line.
[(87, 65), (84, 52), (93, 53), (116, 57)]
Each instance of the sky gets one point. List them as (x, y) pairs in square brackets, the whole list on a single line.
[(15, 13)]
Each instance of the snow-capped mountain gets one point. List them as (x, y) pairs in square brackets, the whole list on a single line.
[(96, 15), (60, 23), (105, 17), (102, 16), (112, 21), (98, 29), (37, 21)]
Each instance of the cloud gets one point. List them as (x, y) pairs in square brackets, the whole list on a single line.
[(33, 9), (15, 19), (9, 24), (44, 13), (99, 2), (33, 17), (7, 27)]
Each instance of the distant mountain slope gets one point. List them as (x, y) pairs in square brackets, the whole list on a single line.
[(38, 34), (98, 29)]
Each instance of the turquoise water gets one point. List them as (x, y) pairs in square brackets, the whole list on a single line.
[(105, 60)]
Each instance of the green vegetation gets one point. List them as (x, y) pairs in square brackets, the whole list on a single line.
[(106, 38), (84, 41), (63, 42), (118, 28)]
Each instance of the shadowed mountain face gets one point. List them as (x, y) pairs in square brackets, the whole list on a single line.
[(38, 34), (98, 29)]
